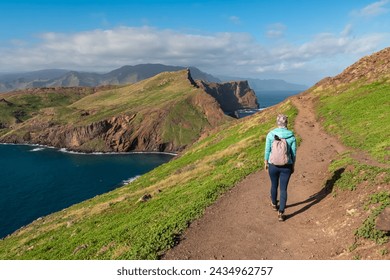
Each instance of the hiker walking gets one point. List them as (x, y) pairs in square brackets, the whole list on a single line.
[(279, 160)]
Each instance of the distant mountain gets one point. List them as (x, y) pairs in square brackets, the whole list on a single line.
[(46, 74), (268, 84), (65, 78), (125, 75), (23, 80)]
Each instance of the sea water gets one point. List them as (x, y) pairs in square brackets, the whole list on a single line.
[(270, 98), (36, 181)]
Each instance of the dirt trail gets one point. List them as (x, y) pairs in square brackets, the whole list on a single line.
[(242, 225)]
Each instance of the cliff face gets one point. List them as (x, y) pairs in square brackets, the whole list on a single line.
[(117, 134), (164, 113), (231, 95)]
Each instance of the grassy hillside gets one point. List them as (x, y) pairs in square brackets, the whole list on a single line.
[(164, 113), (355, 107), (157, 92), (144, 218), (21, 106), (359, 115)]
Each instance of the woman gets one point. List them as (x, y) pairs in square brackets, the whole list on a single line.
[(280, 174)]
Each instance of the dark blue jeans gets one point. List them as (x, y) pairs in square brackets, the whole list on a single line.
[(279, 174)]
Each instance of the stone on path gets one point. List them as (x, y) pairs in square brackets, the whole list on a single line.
[(383, 220)]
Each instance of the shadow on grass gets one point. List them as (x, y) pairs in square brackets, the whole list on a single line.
[(317, 197)]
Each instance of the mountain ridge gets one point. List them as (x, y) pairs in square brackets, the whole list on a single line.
[(70, 78), (123, 75)]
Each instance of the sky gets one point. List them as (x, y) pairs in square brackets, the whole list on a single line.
[(300, 41)]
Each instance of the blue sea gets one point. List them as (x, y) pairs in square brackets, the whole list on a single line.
[(270, 98), (36, 181)]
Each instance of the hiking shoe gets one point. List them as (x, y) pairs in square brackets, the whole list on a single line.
[(281, 217), (274, 206)]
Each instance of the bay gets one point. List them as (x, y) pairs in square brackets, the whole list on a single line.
[(36, 181)]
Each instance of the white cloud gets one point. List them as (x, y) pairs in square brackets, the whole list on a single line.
[(276, 30), (374, 9), (234, 54), (235, 19), (347, 31)]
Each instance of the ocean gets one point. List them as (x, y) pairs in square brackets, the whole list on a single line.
[(270, 98), (36, 181)]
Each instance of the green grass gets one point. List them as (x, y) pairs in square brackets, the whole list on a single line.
[(355, 173), (379, 201), (155, 93), (27, 105), (118, 226), (184, 123), (359, 115)]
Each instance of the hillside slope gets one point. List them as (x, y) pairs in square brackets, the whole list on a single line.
[(163, 113), (354, 105)]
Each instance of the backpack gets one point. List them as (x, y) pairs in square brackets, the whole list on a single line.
[(279, 154)]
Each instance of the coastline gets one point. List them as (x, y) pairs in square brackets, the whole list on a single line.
[(66, 150)]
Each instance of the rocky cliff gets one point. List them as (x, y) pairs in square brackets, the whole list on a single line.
[(231, 95)]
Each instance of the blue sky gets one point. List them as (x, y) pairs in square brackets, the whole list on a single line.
[(299, 41)]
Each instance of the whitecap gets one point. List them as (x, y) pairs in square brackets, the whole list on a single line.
[(65, 150), (132, 179), (37, 149)]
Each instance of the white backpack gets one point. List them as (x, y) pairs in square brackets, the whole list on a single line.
[(279, 151)]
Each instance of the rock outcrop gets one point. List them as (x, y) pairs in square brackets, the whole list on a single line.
[(231, 96), (2, 100), (383, 221)]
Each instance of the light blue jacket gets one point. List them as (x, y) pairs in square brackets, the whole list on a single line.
[(290, 139)]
